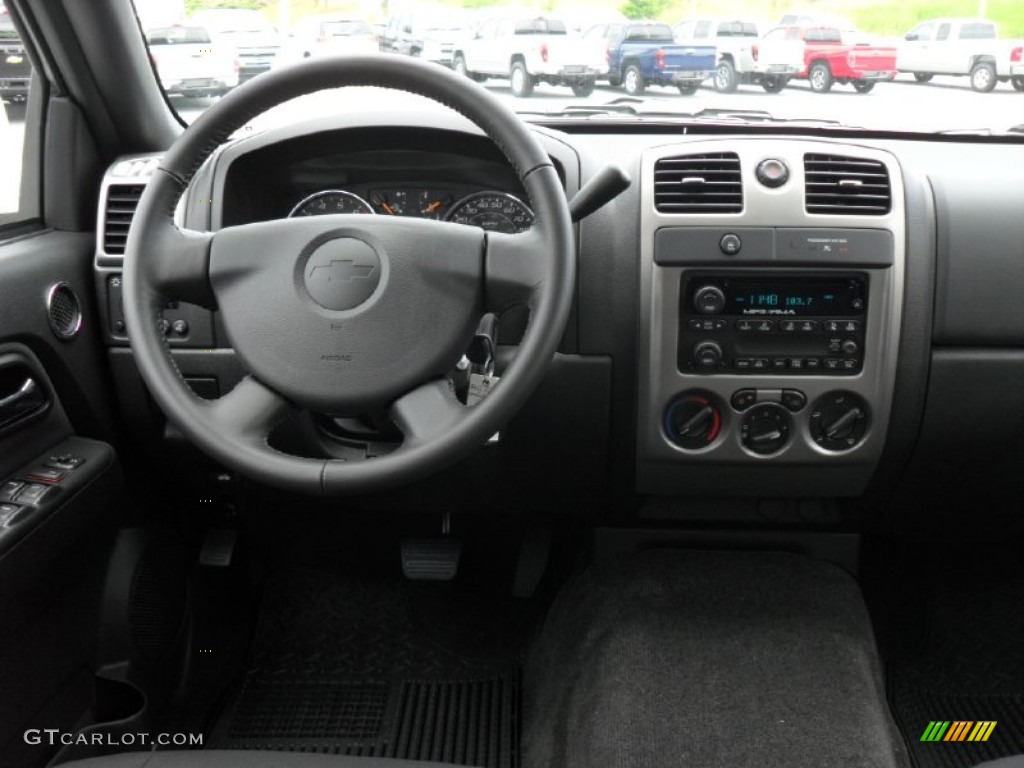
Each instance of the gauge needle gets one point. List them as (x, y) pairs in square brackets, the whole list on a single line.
[(386, 207), (433, 206)]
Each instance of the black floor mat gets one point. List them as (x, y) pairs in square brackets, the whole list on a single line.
[(959, 656), (380, 667)]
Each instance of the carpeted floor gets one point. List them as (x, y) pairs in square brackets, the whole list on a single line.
[(708, 659)]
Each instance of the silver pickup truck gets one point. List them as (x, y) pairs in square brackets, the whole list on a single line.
[(968, 47)]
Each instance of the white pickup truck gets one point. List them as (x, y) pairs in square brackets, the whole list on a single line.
[(743, 57), (962, 47), (189, 63), (529, 50)]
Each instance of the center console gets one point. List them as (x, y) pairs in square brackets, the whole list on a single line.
[(772, 279)]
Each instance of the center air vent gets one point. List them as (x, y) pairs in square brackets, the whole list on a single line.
[(122, 200), (846, 186), (708, 183)]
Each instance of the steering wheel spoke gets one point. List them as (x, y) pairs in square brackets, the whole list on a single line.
[(514, 269), (427, 412), (250, 411)]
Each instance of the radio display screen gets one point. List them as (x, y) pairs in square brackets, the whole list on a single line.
[(793, 297)]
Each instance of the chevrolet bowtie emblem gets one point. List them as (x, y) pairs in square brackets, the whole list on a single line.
[(341, 271)]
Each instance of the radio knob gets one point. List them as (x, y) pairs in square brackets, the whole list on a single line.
[(709, 300), (850, 347), (707, 355)]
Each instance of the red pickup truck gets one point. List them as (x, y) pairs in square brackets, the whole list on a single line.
[(832, 55)]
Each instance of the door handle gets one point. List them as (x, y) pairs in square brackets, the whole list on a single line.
[(25, 401)]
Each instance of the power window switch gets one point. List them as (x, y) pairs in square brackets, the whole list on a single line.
[(8, 513), (32, 493), (45, 475), (65, 462), (10, 489)]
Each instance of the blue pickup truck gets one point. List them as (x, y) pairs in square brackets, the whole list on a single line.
[(643, 53)]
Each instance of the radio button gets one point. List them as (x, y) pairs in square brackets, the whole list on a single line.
[(835, 346), (851, 364), (796, 364), (857, 304), (808, 326), (759, 363), (780, 363), (764, 326), (850, 326), (743, 399), (743, 363), (730, 244), (832, 363), (812, 364), (830, 326), (787, 326), (744, 326)]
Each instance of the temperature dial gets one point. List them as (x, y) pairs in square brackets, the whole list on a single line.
[(765, 429), (693, 421), (839, 421)]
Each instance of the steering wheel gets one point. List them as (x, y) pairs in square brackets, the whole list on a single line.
[(344, 314)]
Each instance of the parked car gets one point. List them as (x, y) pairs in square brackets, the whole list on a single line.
[(15, 67), (529, 50), (330, 35), (834, 55), (189, 63), (642, 53), (430, 36), (249, 32), (962, 47), (743, 58)]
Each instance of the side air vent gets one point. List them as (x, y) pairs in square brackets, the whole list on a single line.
[(708, 183), (846, 186), (119, 208)]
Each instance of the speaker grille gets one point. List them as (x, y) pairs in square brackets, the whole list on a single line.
[(64, 311)]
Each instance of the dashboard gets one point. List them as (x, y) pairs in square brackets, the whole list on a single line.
[(751, 337)]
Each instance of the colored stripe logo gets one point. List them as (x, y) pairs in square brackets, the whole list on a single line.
[(958, 730)]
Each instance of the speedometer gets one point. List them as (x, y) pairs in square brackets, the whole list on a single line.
[(493, 211), (331, 201)]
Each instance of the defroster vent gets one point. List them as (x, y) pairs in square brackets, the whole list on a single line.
[(708, 183), (122, 200), (846, 186)]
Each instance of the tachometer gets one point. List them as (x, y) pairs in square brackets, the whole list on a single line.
[(493, 211), (331, 201)]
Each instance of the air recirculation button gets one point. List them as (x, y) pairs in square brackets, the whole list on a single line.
[(839, 421), (693, 421)]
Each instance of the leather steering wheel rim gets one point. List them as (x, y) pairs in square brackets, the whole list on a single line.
[(485, 270)]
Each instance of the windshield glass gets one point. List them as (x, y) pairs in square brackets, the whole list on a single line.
[(894, 65)]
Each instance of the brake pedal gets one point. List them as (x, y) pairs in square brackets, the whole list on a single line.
[(218, 548), (431, 559)]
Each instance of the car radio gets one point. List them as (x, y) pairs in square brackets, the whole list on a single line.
[(771, 323)]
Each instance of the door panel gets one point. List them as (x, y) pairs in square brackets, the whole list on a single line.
[(57, 517)]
